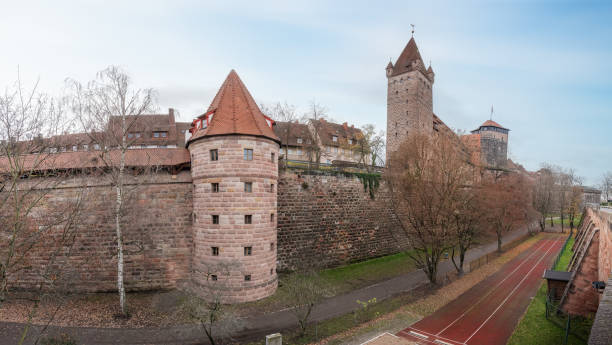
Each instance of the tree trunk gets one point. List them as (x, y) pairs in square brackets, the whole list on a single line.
[(552, 225), (118, 207), (562, 228), (499, 242), (543, 223)]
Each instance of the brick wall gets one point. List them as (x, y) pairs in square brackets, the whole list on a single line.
[(326, 221), (161, 226)]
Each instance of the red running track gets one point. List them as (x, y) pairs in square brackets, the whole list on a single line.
[(488, 312)]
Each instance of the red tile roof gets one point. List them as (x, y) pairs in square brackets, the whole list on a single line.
[(491, 123), (92, 159), (408, 55), (235, 112)]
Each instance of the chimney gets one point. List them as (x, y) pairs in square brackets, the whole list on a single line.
[(345, 126), (171, 115)]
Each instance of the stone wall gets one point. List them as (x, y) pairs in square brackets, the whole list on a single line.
[(326, 221), (158, 235)]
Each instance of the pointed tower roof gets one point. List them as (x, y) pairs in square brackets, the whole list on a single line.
[(491, 123), (234, 111), (408, 55), (429, 70)]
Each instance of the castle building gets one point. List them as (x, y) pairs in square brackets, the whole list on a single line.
[(492, 141), (234, 168), (410, 108), (409, 97)]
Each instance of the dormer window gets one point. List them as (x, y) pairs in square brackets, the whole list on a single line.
[(160, 134), (133, 135), (75, 148), (350, 141), (335, 138), (299, 140)]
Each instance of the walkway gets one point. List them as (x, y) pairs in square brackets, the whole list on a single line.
[(256, 328)]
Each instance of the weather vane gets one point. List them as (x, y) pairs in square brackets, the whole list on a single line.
[(412, 29)]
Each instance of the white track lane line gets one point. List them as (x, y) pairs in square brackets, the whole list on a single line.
[(430, 334), (510, 294), (493, 289)]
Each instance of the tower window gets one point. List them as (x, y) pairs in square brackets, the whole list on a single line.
[(248, 219), (248, 187), (215, 187), (271, 217), (271, 271), (215, 219), (272, 188), (247, 278), (248, 154), (215, 251), (272, 157), (248, 251), (271, 246), (214, 155), (213, 277)]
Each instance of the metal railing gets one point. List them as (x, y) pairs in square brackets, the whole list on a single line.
[(575, 325)]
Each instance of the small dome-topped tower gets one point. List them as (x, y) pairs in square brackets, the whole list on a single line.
[(234, 167)]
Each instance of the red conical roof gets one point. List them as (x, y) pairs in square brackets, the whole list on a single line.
[(408, 55), (491, 123), (234, 111)]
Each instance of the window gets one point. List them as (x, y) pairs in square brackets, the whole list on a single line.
[(155, 134), (335, 138), (130, 135), (272, 157), (63, 149), (335, 150), (53, 150), (247, 278), (328, 148), (214, 155), (248, 219), (299, 152), (271, 217), (248, 187), (299, 140), (96, 146), (215, 251), (271, 245), (213, 277), (271, 271), (248, 251), (85, 147), (215, 187), (271, 187), (248, 154), (215, 219), (160, 134), (350, 141), (75, 148)]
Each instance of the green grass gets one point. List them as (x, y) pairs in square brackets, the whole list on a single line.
[(534, 328), (566, 256), (566, 222), (367, 272)]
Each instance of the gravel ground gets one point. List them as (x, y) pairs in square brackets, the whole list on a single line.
[(97, 310)]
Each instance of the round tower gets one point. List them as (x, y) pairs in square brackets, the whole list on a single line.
[(234, 167)]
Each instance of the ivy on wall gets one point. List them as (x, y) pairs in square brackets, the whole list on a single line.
[(370, 182)]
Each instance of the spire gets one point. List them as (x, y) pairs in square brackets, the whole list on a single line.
[(409, 55), (234, 111)]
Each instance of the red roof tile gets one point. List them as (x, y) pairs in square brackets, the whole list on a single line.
[(235, 112), (91, 159), (491, 123), (408, 55)]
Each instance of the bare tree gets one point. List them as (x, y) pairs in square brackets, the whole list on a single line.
[(302, 291), (369, 146), (574, 205), (606, 184), (314, 118), (566, 181), (285, 113), (467, 226), (218, 319), (508, 202), (543, 194), (107, 108), (426, 177), (37, 229)]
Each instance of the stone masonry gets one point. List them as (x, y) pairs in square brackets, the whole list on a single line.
[(249, 250)]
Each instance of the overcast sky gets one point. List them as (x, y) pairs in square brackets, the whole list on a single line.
[(544, 66)]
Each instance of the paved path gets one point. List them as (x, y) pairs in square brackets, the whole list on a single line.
[(257, 328), (488, 313)]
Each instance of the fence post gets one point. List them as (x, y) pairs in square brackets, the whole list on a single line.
[(546, 306), (567, 327)]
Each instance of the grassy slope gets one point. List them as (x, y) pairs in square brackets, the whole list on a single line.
[(535, 329), (566, 256)]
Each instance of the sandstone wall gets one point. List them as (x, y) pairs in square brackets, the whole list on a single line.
[(326, 221), (158, 235)]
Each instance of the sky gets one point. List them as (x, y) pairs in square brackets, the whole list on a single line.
[(545, 66)]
